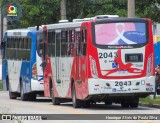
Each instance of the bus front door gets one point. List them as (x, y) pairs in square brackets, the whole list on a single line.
[(58, 61)]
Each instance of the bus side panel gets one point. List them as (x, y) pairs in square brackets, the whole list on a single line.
[(14, 68), (25, 74), (156, 53), (4, 74), (50, 78), (40, 85), (33, 84), (47, 76)]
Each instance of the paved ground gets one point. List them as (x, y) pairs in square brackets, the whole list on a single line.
[(44, 106)]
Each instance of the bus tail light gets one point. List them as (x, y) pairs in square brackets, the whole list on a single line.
[(93, 67), (149, 66), (34, 71)]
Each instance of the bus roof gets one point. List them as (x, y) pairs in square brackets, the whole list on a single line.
[(18, 32), (78, 22), (63, 25)]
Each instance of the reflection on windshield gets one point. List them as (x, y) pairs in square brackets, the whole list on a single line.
[(120, 33)]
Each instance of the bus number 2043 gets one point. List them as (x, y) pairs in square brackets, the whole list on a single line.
[(121, 83), (108, 55)]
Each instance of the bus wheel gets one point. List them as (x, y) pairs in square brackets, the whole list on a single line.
[(24, 97), (86, 104), (55, 100), (134, 103), (32, 97), (76, 102), (11, 94), (7, 84), (124, 104)]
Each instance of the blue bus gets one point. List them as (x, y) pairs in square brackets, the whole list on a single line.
[(22, 74), (157, 62)]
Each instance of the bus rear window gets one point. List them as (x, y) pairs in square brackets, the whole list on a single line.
[(126, 33)]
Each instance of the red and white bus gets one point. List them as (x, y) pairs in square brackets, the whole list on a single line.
[(99, 60)]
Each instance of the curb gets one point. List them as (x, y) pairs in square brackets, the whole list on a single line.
[(150, 105)]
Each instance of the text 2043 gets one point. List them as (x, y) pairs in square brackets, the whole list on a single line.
[(108, 55), (121, 83)]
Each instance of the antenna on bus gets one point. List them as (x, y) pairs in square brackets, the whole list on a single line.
[(63, 21)]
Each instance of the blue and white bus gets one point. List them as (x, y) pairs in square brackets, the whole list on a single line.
[(22, 73)]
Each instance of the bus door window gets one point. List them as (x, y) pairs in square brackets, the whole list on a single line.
[(84, 41), (58, 55), (58, 44), (63, 43)]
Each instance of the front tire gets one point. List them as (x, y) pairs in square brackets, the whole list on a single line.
[(12, 95), (76, 102), (24, 97), (86, 104), (32, 97), (134, 103), (55, 100)]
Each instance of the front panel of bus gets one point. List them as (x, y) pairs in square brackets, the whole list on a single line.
[(121, 57)]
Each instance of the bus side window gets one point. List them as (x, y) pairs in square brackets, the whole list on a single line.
[(77, 40), (71, 42), (23, 57), (51, 43), (68, 43), (3, 49)]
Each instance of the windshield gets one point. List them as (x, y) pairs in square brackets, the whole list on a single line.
[(126, 33)]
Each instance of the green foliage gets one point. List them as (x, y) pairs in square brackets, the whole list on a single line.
[(38, 12), (150, 100), (0, 85)]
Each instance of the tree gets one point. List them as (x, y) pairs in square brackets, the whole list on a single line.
[(38, 12)]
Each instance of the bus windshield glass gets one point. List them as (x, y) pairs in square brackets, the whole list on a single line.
[(121, 34)]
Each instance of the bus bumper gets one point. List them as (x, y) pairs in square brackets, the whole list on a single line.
[(121, 86), (37, 85)]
